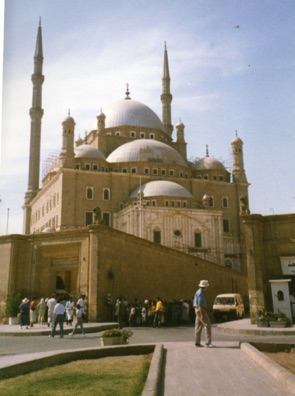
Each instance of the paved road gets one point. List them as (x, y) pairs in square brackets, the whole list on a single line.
[(223, 371), (11, 345)]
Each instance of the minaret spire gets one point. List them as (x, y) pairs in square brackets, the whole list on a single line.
[(166, 97), (36, 114)]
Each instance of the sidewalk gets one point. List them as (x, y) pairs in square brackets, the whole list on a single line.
[(224, 371), (229, 369)]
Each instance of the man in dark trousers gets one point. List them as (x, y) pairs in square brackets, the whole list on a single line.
[(202, 318), (59, 314)]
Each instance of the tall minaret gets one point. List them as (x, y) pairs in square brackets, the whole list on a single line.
[(239, 174), (67, 155), (180, 142), (36, 113), (166, 97)]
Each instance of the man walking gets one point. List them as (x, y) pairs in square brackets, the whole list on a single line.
[(202, 318), (59, 315)]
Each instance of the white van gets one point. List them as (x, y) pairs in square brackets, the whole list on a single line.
[(228, 306)]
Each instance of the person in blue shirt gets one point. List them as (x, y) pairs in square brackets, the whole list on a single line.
[(202, 318)]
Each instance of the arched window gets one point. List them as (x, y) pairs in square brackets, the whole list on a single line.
[(211, 201), (225, 202), (89, 192), (106, 194), (198, 239), (157, 236)]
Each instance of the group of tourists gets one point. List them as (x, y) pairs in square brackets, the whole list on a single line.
[(156, 313), (153, 313), (52, 311)]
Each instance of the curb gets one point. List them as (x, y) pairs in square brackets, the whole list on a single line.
[(282, 375), (92, 328), (256, 331), (153, 382)]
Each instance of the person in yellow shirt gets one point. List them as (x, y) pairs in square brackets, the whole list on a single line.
[(158, 313)]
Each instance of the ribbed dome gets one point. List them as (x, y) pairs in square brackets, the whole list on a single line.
[(131, 113), (161, 188), (87, 151), (146, 150), (209, 163)]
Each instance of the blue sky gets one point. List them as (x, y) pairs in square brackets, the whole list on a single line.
[(223, 79)]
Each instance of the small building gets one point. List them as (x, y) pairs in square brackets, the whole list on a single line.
[(270, 255)]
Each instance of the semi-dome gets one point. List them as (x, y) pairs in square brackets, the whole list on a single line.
[(209, 163), (146, 150), (87, 151), (131, 113), (161, 188)]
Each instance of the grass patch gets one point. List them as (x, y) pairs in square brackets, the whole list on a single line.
[(285, 359), (122, 375)]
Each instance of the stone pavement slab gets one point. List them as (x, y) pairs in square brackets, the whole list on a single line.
[(223, 371)]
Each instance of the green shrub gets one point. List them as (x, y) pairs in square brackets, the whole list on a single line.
[(13, 302), (118, 333)]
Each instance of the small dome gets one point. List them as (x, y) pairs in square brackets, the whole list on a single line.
[(131, 113), (69, 119), (87, 151), (146, 150), (49, 229), (237, 140), (180, 125), (161, 188), (101, 114), (208, 163)]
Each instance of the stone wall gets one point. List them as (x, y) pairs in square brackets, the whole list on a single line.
[(106, 261)]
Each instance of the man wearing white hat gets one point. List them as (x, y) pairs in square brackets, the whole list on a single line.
[(202, 318)]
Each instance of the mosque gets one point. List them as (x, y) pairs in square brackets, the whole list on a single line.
[(130, 174), (123, 212)]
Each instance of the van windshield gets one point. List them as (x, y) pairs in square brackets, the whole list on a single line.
[(224, 301)]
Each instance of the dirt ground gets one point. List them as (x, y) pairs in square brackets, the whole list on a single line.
[(285, 359)]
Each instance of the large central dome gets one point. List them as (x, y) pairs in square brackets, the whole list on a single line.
[(131, 113)]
